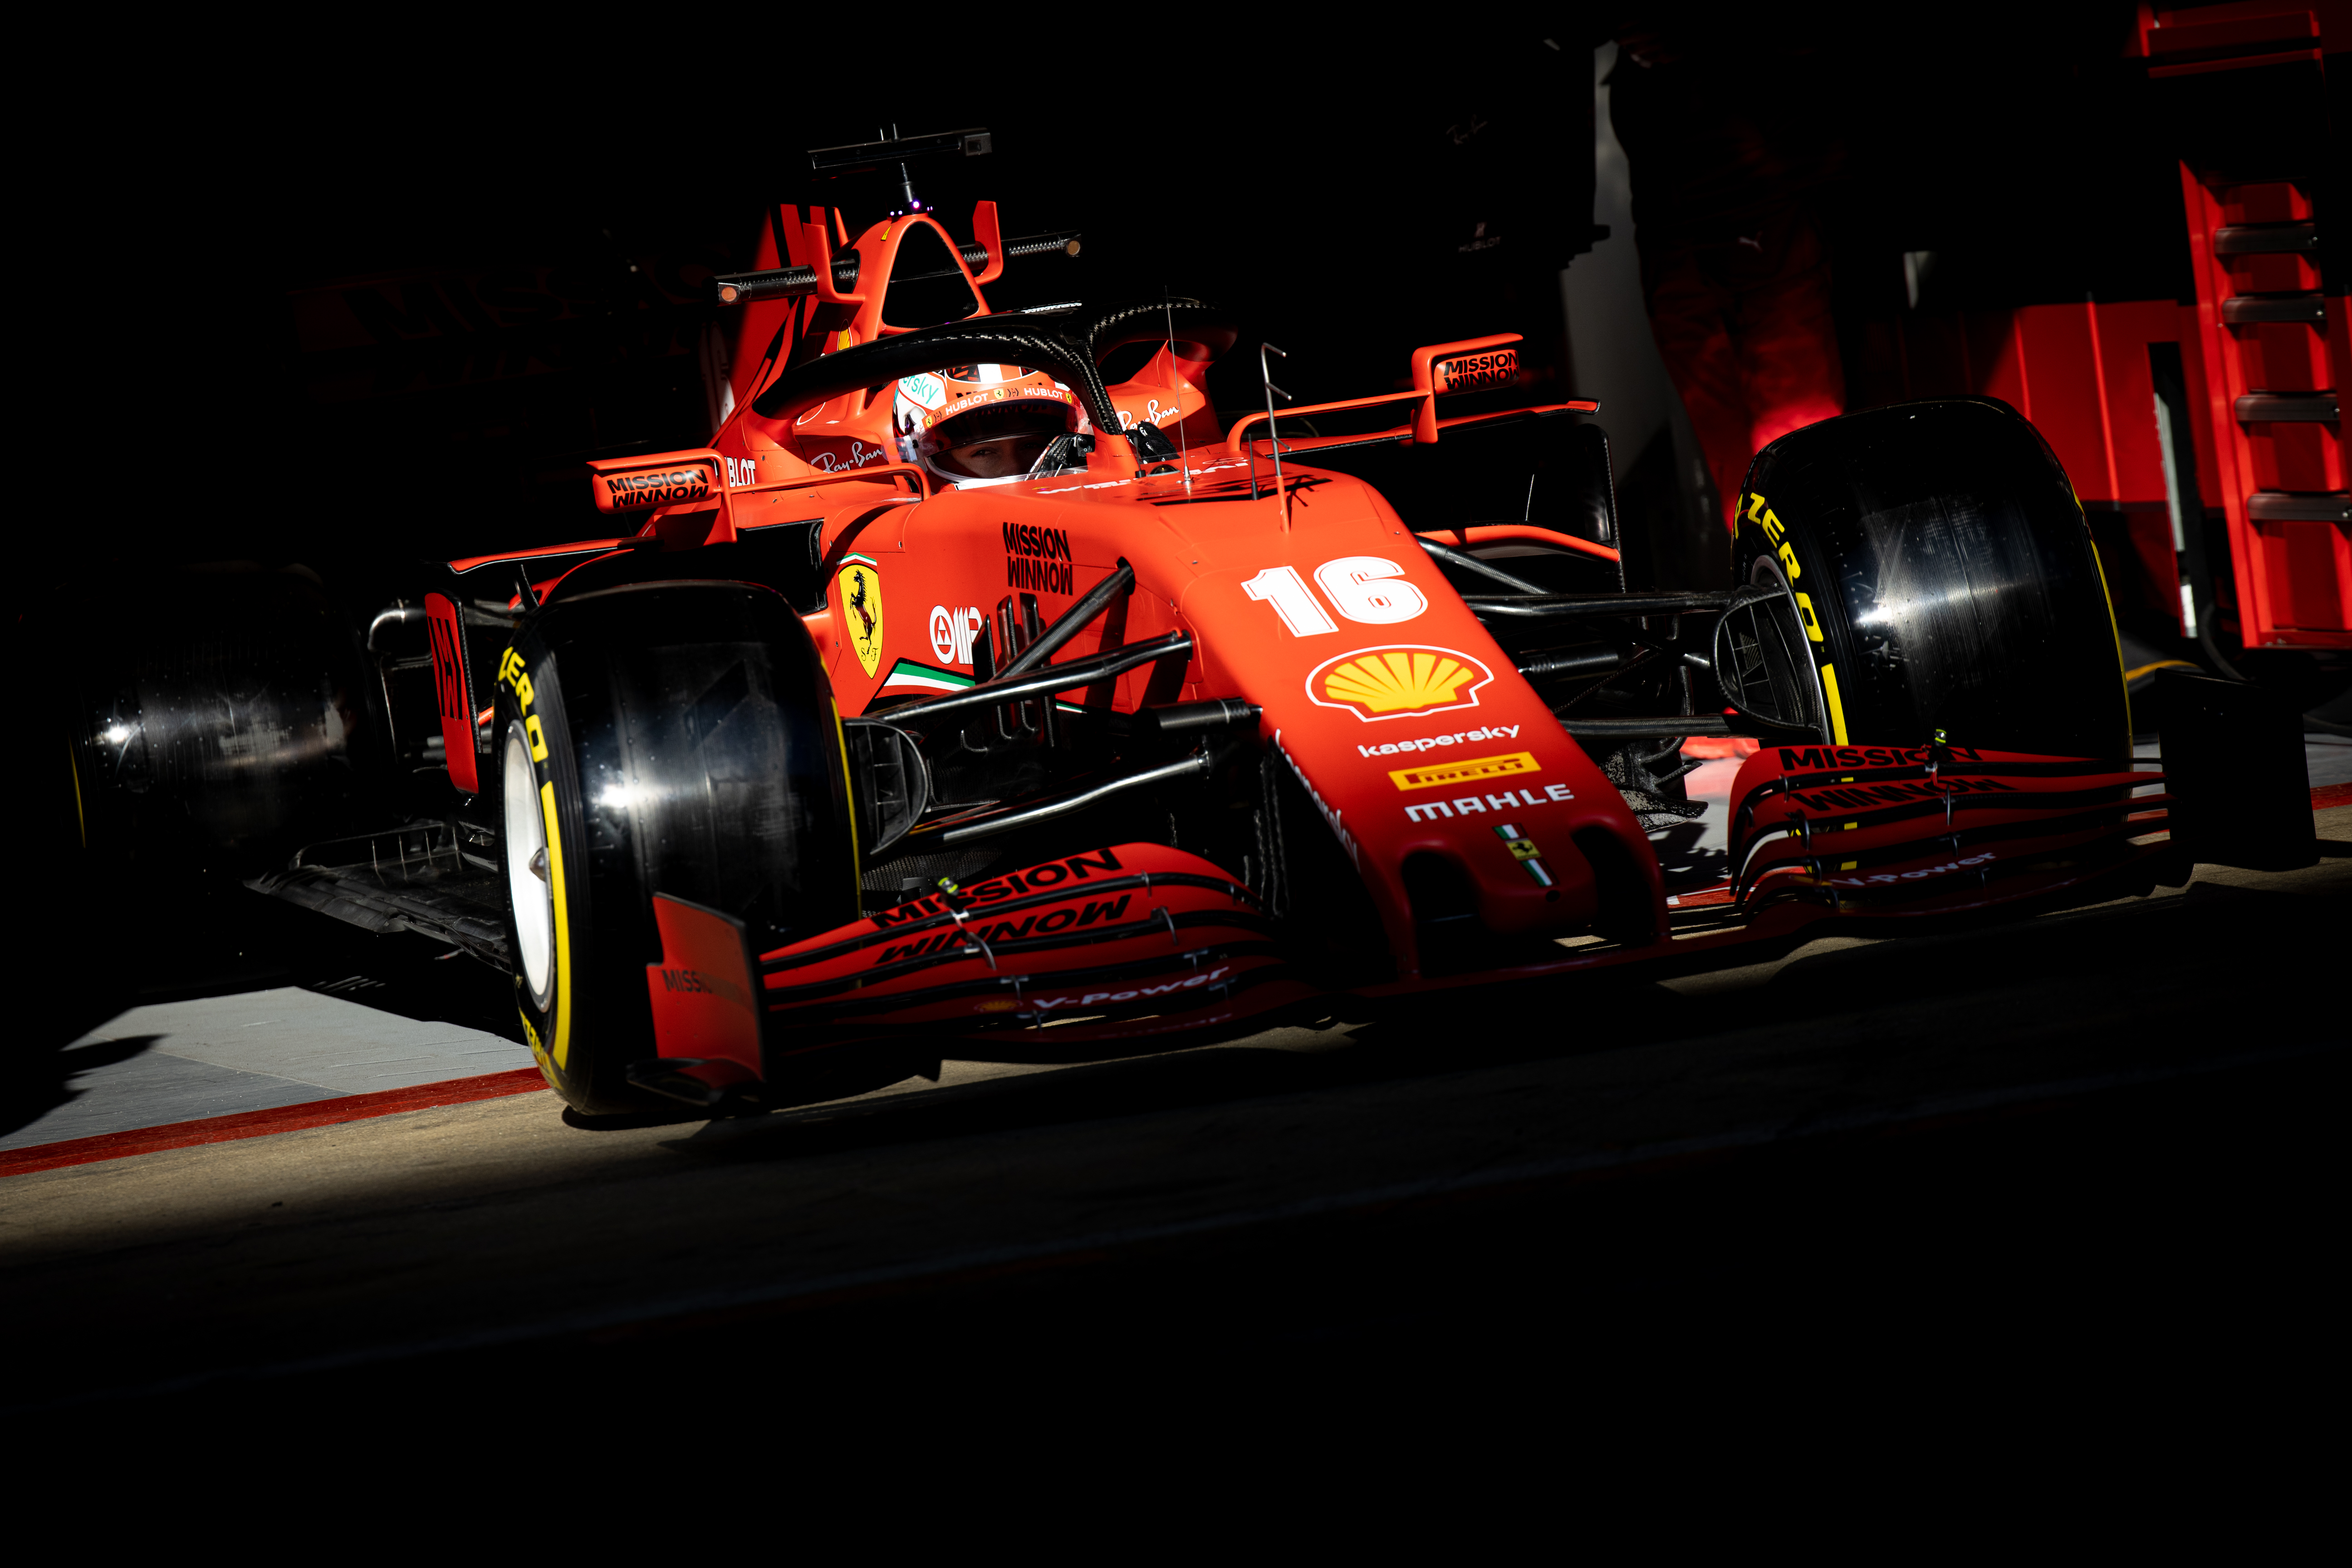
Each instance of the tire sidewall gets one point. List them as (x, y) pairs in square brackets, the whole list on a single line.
[(580, 682), (2061, 655), (572, 1033), (1758, 558)]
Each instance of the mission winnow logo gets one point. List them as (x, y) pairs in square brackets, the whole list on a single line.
[(1037, 560), (659, 486)]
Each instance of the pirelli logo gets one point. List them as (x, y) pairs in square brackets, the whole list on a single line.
[(1468, 771)]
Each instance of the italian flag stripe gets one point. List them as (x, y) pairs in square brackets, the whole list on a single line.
[(906, 673)]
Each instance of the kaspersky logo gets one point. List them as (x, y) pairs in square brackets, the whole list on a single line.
[(1399, 682)]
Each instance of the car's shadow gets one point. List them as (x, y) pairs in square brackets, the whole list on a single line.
[(38, 1081), (2081, 970)]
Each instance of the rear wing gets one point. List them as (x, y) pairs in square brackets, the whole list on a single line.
[(986, 256), (804, 248), (1439, 370)]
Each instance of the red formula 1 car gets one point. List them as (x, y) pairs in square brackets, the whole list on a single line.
[(954, 701)]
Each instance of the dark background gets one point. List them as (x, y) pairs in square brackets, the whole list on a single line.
[(2151, 1258), (497, 189)]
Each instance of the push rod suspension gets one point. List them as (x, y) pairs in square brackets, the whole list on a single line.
[(1664, 724), (1575, 661), (1580, 606), (1469, 563), (1190, 767), (1045, 682), (1074, 620)]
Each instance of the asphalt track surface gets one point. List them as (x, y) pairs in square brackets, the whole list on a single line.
[(2092, 1157), (334, 1030)]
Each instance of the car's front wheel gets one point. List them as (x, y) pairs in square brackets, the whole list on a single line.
[(1942, 578), (673, 738)]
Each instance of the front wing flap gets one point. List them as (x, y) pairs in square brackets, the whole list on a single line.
[(1130, 931), (1892, 830)]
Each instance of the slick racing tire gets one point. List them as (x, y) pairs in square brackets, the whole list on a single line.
[(674, 738), (233, 719), (1944, 577)]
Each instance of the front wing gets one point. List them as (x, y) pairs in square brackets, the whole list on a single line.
[(1136, 942)]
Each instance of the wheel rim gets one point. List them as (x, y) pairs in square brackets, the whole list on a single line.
[(527, 889)]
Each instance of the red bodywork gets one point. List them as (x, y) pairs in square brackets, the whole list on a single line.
[(1408, 725), (2263, 352)]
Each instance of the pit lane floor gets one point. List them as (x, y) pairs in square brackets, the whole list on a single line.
[(272, 1049), (365, 1019), (2102, 1114)]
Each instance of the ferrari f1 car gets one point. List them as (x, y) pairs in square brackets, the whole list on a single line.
[(880, 734)]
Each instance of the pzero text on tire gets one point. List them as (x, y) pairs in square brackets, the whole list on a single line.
[(1944, 577)]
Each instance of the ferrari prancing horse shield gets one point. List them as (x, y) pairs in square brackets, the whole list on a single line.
[(859, 586)]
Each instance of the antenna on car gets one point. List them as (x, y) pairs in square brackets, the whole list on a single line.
[(1183, 451), (906, 180), (1273, 438), (866, 157)]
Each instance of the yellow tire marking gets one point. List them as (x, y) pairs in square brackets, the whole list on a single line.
[(1837, 709), (2109, 600), (562, 998), (1805, 614), (849, 789), (81, 817)]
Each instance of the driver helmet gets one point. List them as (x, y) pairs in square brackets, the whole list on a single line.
[(983, 424)]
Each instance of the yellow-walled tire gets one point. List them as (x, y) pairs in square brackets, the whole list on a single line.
[(664, 738), (1944, 577)]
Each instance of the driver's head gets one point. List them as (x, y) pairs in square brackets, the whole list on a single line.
[(1000, 440), (985, 422)]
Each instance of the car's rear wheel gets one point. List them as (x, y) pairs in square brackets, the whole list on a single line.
[(673, 738), (1944, 577), (232, 721)]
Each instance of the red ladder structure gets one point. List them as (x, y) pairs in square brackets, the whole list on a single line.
[(2276, 347)]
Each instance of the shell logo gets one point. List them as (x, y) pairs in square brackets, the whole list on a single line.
[(1400, 681)]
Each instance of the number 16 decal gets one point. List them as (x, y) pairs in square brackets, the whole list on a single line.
[(1362, 587), (1282, 587)]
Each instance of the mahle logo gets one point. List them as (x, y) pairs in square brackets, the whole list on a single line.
[(1400, 681)]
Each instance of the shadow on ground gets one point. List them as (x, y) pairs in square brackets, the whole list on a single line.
[(2182, 968), (41, 1080)]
